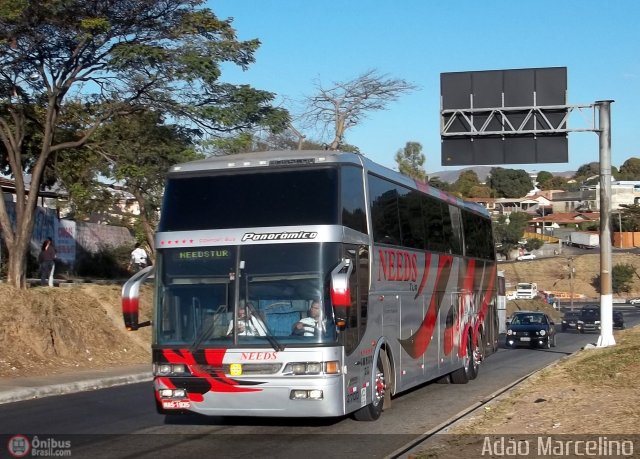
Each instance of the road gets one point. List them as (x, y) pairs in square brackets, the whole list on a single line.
[(121, 422)]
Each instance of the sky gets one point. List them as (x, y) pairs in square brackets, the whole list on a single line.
[(306, 42)]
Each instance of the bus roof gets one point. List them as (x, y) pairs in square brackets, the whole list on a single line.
[(301, 158)]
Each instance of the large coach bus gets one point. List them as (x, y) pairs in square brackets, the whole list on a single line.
[(312, 284)]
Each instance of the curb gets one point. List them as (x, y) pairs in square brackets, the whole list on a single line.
[(21, 394)]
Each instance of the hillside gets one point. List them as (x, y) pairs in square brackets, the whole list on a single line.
[(553, 273)]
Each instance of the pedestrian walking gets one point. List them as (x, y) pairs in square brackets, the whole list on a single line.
[(47, 262)]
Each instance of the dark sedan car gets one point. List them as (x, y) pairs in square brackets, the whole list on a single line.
[(570, 320), (589, 319), (618, 320), (531, 328)]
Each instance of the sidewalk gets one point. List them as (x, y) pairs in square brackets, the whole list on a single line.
[(28, 388)]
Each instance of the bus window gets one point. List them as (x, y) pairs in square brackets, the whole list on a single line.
[(352, 198)]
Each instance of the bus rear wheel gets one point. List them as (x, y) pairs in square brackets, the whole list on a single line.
[(469, 370), (373, 410)]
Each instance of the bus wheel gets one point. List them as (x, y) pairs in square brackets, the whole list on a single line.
[(478, 356), (469, 370), (373, 410)]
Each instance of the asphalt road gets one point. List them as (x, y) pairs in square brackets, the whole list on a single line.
[(121, 422)]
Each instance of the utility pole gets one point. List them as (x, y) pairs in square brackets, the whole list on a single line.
[(572, 270), (606, 290)]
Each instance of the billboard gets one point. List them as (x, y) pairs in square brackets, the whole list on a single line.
[(504, 117)]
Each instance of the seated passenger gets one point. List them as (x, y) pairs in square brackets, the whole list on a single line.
[(312, 325), (248, 324)]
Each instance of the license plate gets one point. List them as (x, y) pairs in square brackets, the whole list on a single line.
[(176, 404), (525, 338)]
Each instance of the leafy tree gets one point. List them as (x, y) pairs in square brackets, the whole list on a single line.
[(509, 183), (533, 244), (134, 151), (542, 178), (621, 278), (589, 174), (480, 191), (439, 184), (509, 230), (630, 169), (345, 104), (410, 161), (466, 180), (630, 217), (555, 183), (80, 63)]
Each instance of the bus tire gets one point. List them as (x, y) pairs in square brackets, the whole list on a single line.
[(478, 356), (470, 368), (373, 410)]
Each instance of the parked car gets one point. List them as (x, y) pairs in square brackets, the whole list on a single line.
[(589, 319), (531, 328), (570, 320), (526, 256), (634, 301), (618, 320)]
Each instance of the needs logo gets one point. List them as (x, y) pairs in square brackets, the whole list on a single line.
[(21, 446)]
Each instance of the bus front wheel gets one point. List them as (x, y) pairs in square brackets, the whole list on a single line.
[(373, 410)]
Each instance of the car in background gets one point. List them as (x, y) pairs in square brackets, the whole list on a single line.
[(589, 320), (531, 328), (618, 320), (634, 301), (570, 320), (526, 256)]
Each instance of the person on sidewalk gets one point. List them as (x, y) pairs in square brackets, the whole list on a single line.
[(138, 259), (47, 259)]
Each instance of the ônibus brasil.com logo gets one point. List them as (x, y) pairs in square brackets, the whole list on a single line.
[(21, 446)]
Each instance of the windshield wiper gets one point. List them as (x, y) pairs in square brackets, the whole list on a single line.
[(275, 344), (206, 331)]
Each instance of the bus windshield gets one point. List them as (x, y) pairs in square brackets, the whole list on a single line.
[(267, 291)]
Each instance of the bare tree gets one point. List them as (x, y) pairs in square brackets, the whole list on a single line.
[(344, 105)]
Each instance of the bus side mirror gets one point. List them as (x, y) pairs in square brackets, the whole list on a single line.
[(131, 299), (340, 292)]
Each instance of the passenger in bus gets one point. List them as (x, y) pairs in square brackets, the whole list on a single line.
[(312, 325), (248, 324)]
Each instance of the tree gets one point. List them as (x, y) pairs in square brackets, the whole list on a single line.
[(555, 183), (135, 152), (630, 169), (439, 184), (630, 217), (83, 62), (345, 104), (509, 230), (480, 191), (621, 278), (509, 183), (542, 178), (466, 181), (410, 161)]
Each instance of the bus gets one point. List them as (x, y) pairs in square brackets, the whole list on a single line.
[(402, 276)]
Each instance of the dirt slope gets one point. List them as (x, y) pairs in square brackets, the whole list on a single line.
[(51, 330)]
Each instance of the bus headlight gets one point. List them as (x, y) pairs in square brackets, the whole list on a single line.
[(313, 368), (170, 369)]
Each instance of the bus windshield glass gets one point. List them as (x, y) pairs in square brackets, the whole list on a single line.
[(259, 198), (268, 291)]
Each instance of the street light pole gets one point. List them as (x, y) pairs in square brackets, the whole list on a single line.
[(606, 288)]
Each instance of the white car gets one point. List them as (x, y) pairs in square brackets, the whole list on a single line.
[(634, 301), (525, 256)]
